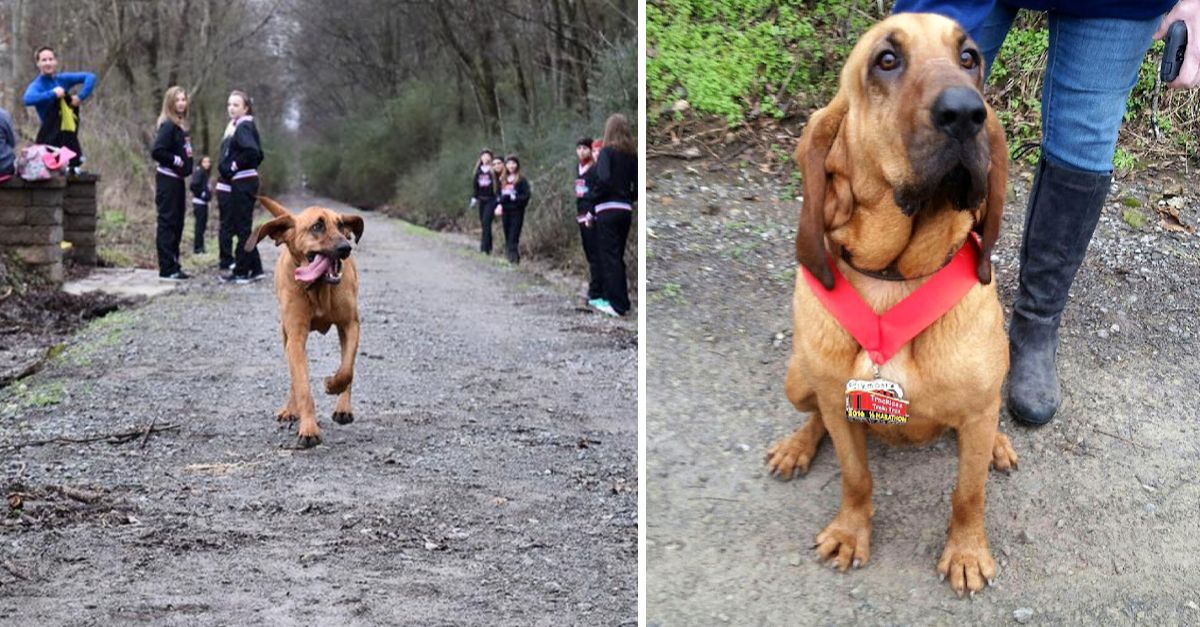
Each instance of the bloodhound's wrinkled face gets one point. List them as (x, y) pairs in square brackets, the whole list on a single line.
[(909, 122), (914, 86), (317, 238)]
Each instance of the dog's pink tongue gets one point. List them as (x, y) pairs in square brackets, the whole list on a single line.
[(313, 269)]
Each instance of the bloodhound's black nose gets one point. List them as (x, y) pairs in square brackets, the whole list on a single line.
[(959, 112), (343, 249)]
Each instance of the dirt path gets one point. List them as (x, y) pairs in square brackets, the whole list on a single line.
[(490, 475), (1099, 525)]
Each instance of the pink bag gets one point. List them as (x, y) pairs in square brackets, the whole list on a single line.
[(39, 162)]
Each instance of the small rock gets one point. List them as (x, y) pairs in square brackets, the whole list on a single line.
[(1192, 606), (1023, 614), (858, 593), (1025, 537), (680, 106)]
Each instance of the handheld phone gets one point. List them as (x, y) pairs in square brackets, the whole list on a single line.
[(1176, 44)]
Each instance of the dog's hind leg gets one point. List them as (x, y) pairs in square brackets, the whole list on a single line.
[(341, 380), (297, 358), (791, 455)]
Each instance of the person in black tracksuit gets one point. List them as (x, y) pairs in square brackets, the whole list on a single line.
[(514, 197), (483, 191), (241, 154), (200, 199), (172, 151), (585, 216), (616, 180)]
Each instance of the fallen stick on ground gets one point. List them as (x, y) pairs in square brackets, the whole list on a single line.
[(112, 438), (149, 430), (13, 570), (83, 496)]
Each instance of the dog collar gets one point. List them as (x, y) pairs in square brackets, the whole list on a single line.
[(882, 336)]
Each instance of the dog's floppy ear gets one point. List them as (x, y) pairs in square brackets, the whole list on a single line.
[(355, 223), (811, 153), (276, 229), (988, 225)]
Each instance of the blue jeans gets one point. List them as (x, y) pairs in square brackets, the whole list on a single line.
[(1091, 66)]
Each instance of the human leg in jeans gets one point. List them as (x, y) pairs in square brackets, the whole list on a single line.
[(1091, 67)]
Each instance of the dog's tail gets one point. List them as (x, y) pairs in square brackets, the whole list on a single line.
[(275, 208)]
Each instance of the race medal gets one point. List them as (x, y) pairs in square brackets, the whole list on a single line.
[(876, 401)]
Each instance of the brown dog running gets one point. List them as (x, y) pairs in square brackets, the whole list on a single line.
[(898, 169), (317, 286)]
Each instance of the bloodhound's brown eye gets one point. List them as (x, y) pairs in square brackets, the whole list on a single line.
[(967, 59), (887, 61), (318, 227)]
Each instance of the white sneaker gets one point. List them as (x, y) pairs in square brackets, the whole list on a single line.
[(605, 308)]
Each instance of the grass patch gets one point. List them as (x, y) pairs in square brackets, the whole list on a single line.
[(24, 396), (1134, 218), (670, 291), (1130, 201)]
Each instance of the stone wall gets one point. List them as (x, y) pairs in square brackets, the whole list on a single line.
[(36, 217), (31, 224), (79, 218)]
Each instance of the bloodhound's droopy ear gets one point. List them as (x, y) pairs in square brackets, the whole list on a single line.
[(276, 229), (988, 226), (355, 223), (811, 154)]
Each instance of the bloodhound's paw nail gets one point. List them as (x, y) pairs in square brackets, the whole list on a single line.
[(989, 582), (308, 441), (857, 563), (972, 595), (941, 576)]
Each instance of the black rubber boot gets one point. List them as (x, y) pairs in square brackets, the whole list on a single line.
[(1064, 208)]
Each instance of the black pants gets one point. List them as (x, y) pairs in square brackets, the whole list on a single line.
[(169, 196), (225, 229), (487, 211), (512, 220), (612, 230), (241, 201), (595, 272), (200, 212)]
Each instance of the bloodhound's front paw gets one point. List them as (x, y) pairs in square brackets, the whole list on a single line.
[(846, 541), (791, 456), (287, 414), (1004, 457), (343, 417), (967, 562)]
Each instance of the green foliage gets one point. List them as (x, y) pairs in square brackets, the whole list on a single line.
[(734, 58)]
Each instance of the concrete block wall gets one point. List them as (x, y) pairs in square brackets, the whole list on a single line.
[(79, 218), (31, 224)]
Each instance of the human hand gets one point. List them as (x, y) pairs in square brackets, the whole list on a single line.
[(59, 92), (1189, 12), (499, 211), (75, 100)]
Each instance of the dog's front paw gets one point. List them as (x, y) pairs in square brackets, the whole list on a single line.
[(845, 542), (286, 415), (1004, 457), (791, 456), (308, 441), (309, 434), (967, 562), (343, 417)]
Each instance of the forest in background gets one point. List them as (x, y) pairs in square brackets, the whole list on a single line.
[(383, 104)]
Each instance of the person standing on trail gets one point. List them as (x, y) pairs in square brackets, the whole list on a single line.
[(8, 146), (483, 196), (514, 197), (1095, 52), (57, 108), (615, 191), (200, 199), (585, 217), (241, 154), (172, 152)]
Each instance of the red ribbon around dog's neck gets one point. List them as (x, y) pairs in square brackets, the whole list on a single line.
[(883, 336)]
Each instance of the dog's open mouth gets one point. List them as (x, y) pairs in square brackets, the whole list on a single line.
[(320, 267)]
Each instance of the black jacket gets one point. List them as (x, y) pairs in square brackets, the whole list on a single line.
[(199, 185), (585, 190), (518, 199), (616, 177), (241, 151), (172, 149), (483, 184)]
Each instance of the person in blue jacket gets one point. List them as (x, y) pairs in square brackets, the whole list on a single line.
[(1095, 50), (49, 93)]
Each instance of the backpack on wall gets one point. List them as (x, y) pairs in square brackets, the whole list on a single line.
[(39, 162)]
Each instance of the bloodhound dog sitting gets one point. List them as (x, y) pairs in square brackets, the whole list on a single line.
[(904, 175)]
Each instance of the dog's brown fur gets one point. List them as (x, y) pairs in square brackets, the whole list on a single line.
[(313, 307), (866, 160)]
